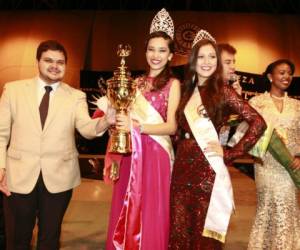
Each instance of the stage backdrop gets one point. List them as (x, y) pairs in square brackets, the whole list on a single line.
[(91, 38)]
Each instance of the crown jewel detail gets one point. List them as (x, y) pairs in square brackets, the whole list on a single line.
[(203, 34), (163, 22)]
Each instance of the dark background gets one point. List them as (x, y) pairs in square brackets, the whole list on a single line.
[(251, 6)]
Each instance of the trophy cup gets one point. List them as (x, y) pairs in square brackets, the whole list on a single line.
[(121, 90)]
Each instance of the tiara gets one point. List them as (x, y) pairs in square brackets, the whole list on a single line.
[(163, 22), (203, 34)]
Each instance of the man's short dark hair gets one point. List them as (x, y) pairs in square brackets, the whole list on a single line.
[(226, 47), (50, 45)]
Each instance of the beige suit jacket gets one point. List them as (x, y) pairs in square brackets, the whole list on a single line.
[(51, 150)]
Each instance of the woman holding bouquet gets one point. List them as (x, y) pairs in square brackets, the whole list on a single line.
[(277, 221)]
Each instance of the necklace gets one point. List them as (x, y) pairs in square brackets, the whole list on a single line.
[(277, 98)]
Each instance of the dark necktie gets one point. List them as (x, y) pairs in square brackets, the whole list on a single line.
[(45, 105)]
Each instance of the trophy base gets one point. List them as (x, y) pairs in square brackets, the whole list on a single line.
[(120, 142)]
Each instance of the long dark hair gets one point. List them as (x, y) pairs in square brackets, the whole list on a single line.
[(212, 89), (163, 77)]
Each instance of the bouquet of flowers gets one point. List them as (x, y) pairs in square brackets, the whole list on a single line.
[(233, 121), (261, 146), (279, 151), (272, 141)]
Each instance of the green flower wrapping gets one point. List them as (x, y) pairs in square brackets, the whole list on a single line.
[(272, 142), (279, 151), (261, 146)]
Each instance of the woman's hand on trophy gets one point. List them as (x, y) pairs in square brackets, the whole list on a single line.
[(123, 122), (296, 163)]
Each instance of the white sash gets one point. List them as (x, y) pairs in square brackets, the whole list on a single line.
[(143, 111), (221, 203)]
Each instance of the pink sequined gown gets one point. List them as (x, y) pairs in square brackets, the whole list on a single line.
[(156, 172)]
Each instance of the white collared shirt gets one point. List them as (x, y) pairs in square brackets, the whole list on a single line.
[(41, 89)]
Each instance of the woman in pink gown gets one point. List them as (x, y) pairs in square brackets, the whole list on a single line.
[(139, 217)]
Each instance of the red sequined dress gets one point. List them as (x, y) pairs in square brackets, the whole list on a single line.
[(193, 177)]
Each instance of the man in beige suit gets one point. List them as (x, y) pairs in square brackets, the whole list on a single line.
[(38, 157)]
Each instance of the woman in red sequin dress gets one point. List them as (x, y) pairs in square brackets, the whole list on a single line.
[(201, 194)]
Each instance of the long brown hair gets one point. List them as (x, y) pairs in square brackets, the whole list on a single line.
[(163, 77), (212, 89)]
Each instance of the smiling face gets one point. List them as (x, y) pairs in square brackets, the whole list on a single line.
[(52, 66), (206, 63), (281, 77), (157, 54)]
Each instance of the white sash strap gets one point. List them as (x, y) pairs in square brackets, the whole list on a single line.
[(144, 112), (221, 202)]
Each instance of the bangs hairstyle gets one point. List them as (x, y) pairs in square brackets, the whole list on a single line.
[(164, 76), (212, 90)]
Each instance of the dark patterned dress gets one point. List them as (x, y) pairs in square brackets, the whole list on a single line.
[(193, 178)]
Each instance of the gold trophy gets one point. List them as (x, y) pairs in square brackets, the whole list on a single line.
[(121, 90)]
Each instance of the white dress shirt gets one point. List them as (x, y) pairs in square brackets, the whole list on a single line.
[(41, 89)]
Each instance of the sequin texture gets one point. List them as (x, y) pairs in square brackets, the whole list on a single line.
[(193, 178), (277, 221)]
